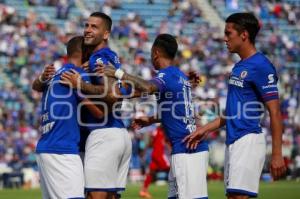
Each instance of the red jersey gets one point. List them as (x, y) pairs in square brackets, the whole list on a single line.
[(158, 142), (159, 160)]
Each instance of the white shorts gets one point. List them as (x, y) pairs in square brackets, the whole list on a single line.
[(107, 158), (61, 176), (244, 161), (187, 176)]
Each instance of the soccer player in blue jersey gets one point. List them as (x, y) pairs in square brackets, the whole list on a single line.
[(252, 85), (187, 177), (108, 147), (61, 169)]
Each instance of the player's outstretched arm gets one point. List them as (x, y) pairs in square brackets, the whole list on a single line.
[(39, 83), (93, 109), (73, 79), (202, 132), (277, 166), (141, 85), (194, 78), (144, 121)]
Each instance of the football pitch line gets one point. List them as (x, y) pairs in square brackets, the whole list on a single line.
[(274, 190)]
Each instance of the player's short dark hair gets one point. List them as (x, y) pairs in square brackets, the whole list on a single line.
[(87, 51), (107, 20), (245, 21), (167, 43), (75, 45)]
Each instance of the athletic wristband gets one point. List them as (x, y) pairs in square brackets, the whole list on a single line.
[(119, 73), (42, 81)]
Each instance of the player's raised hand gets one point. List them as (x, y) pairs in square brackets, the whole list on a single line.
[(194, 78), (140, 122), (71, 78), (193, 139), (107, 70), (48, 72), (277, 166), (85, 66), (100, 69)]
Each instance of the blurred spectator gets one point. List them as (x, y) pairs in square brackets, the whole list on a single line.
[(63, 8)]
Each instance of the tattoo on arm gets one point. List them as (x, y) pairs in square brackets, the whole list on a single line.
[(37, 85), (113, 91), (141, 84), (154, 119), (104, 92), (91, 89)]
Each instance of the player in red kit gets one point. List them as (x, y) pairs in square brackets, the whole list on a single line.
[(159, 159)]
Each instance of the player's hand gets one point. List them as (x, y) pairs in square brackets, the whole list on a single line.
[(71, 78), (277, 167), (107, 70), (194, 79), (85, 66), (193, 139), (140, 122), (100, 69), (48, 72)]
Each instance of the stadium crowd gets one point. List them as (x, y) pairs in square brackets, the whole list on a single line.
[(28, 44)]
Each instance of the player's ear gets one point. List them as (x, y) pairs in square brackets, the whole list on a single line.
[(155, 52), (245, 35), (160, 52), (106, 35)]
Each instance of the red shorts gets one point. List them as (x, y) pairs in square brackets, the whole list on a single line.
[(159, 163)]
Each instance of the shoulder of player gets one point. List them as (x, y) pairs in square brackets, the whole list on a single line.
[(103, 51), (261, 59), (171, 70), (105, 55), (264, 66), (259, 64), (79, 70), (168, 75)]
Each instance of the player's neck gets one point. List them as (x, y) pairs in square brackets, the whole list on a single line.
[(75, 61), (247, 51), (100, 46), (164, 63)]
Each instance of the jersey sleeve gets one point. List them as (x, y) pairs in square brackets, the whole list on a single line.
[(265, 81), (113, 58), (105, 57), (94, 59), (162, 81)]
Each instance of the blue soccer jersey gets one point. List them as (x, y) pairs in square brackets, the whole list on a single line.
[(253, 81), (60, 128), (111, 120), (105, 56), (175, 108)]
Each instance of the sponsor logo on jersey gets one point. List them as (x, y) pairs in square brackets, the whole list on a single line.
[(236, 81), (161, 75), (99, 61), (269, 86), (271, 78)]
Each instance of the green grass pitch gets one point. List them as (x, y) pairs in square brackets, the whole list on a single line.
[(274, 190)]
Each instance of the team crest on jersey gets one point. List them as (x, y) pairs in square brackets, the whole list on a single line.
[(161, 75), (99, 60), (244, 74)]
